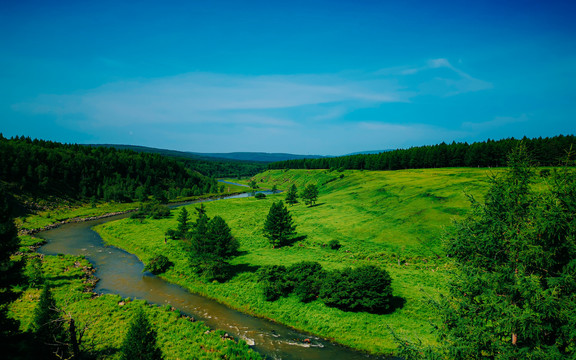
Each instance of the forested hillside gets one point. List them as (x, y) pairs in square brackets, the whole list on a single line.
[(490, 153), (44, 167)]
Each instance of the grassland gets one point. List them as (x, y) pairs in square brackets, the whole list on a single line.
[(107, 317), (394, 220)]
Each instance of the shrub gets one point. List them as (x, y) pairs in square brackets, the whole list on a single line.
[(334, 244), (260, 196), (158, 265), (366, 288), (305, 279)]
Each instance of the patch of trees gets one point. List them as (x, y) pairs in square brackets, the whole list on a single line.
[(490, 153), (85, 172), (210, 244), (512, 296), (365, 288)]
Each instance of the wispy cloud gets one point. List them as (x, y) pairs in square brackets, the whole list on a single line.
[(270, 101), (497, 122)]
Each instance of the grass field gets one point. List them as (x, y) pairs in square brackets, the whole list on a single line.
[(394, 220), (107, 318)]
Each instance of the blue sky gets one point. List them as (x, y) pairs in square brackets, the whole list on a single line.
[(306, 77)]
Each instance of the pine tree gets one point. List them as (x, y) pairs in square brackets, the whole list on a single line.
[(279, 226), (47, 324), (10, 271), (292, 195), (513, 294), (183, 225), (140, 341), (223, 244)]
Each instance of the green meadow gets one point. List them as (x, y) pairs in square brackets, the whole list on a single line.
[(392, 219), (107, 317)]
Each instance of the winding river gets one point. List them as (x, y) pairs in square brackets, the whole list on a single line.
[(121, 273)]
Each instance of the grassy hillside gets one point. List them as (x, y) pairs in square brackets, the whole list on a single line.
[(390, 219)]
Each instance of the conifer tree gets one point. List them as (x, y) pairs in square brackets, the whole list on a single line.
[(140, 341), (292, 195), (279, 226), (10, 271), (47, 324), (513, 294), (183, 225)]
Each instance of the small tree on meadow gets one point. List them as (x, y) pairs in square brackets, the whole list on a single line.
[(292, 195), (279, 226), (310, 194), (140, 341), (47, 324), (183, 225)]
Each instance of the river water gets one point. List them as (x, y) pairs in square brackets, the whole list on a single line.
[(121, 273)]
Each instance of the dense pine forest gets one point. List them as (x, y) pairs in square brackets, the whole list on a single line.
[(82, 172), (490, 153)]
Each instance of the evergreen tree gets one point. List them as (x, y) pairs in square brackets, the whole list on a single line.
[(279, 226), (140, 341), (223, 244), (513, 294), (10, 271), (183, 225), (47, 324), (310, 194), (292, 195)]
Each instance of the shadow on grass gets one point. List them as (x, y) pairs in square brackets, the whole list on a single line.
[(396, 303), (315, 205), (238, 269), (290, 242)]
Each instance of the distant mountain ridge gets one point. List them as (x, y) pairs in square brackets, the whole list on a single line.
[(233, 156)]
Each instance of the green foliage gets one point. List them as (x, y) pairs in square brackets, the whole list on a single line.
[(260, 196), (279, 227), (334, 244), (292, 195), (183, 225), (140, 341), (490, 153), (155, 210), (33, 271), (212, 243), (158, 265), (365, 288), (84, 172), (10, 271), (310, 194), (48, 326), (513, 294), (273, 277), (305, 278)]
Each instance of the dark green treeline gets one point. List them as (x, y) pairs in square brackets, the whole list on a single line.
[(78, 171), (490, 153)]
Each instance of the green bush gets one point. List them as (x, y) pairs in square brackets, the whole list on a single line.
[(260, 196), (366, 288), (334, 244), (158, 265), (305, 279)]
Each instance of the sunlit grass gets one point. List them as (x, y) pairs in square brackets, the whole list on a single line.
[(391, 219), (107, 318)]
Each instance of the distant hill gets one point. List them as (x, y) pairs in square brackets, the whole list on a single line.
[(369, 152), (233, 156)]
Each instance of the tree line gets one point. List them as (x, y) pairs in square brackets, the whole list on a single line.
[(46, 167), (490, 153)]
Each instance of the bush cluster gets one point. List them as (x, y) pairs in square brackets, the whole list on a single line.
[(366, 288), (158, 265)]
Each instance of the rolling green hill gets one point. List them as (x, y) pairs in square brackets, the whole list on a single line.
[(394, 220)]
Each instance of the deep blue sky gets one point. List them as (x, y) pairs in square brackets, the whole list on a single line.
[(307, 77)]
